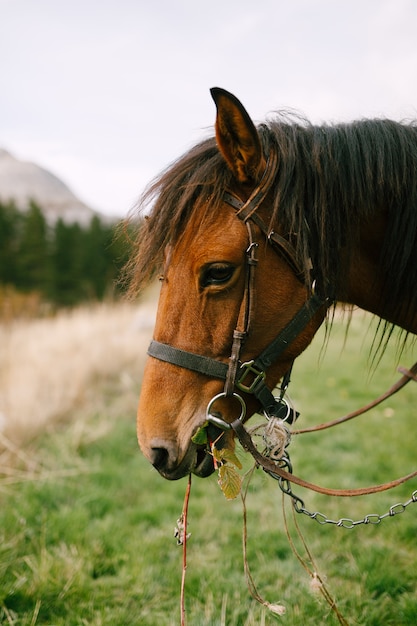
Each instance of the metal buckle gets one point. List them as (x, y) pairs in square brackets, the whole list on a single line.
[(247, 368)]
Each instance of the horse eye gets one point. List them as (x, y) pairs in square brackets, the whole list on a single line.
[(216, 274)]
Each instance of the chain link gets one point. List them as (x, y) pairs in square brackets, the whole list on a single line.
[(343, 522)]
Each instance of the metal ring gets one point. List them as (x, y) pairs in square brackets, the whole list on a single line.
[(281, 402), (219, 421)]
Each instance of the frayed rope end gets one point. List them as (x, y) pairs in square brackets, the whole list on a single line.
[(277, 609)]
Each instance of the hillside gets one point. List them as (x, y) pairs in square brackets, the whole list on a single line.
[(22, 181), (52, 246)]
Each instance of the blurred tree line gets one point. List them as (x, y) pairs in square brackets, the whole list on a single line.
[(65, 263)]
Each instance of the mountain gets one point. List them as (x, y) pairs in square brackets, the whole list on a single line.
[(22, 181)]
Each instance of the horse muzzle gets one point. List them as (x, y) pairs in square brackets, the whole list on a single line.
[(164, 457), (198, 460)]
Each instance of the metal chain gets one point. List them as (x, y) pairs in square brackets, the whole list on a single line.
[(320, 518)]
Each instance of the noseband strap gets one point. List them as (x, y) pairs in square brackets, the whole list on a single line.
[(250, 376), (189, 360)]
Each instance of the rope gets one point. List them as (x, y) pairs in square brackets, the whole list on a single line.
[(271, 468)]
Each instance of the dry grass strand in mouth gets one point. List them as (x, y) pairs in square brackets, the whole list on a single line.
[(276, 608), (182, 537)]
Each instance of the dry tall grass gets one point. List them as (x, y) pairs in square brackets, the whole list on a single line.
[(49, 367)]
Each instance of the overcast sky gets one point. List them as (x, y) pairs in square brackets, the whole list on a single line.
[(106, 93)]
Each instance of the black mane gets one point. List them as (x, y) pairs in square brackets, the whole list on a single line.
[(330, 178)]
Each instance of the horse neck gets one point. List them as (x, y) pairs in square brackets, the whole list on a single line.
[(365, 278)]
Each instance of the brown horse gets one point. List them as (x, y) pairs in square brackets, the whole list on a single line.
[(256, 234)]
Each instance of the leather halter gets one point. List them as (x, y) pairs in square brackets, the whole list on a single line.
[(249, 377)]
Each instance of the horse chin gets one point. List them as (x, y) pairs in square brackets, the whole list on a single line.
[(196, 461)]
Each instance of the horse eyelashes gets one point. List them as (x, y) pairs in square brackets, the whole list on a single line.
[(216, 274)]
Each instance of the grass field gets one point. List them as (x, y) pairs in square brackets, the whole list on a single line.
[(86, 525)]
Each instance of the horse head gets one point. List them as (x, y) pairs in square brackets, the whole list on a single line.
[(230, 283)]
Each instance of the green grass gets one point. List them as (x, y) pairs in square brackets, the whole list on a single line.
[(86, 531)]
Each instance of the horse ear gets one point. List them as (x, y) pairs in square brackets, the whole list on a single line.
[(237, 137)]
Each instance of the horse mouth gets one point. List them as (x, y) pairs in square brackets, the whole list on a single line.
[(204, 463), (204, 459), (198, 460)]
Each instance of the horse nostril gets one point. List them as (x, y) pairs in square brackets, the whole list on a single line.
[(163, 454), (159, 457)]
